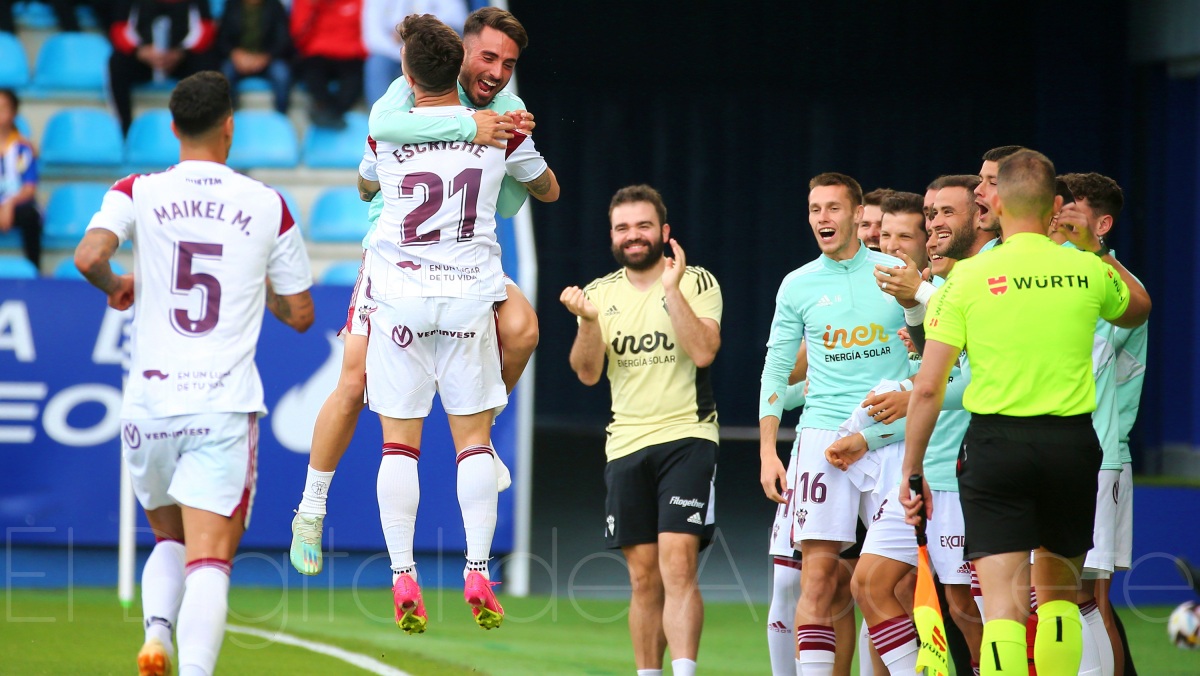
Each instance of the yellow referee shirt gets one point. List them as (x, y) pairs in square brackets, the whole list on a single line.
[(1026, 312), (658, 394)]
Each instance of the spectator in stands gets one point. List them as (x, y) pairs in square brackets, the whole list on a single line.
[(379, 21), (157, 38), (254, 41), (68, 19), (328, 37), (18, 181)]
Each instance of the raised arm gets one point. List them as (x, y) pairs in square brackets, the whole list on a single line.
[(544, 188), (587, 353), (699, 337)]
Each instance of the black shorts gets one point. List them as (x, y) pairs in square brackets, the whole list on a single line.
[(664, 488), (1026, 483)]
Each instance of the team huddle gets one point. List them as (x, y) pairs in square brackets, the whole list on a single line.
[(897, 341), (1018, 440)]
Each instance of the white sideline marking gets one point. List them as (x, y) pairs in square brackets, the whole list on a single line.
[(361, 661)]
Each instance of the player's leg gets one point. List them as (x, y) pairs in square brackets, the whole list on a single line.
[(683, 605), (517, 324), (965, 613), (1059, 645), (781, 615), (845, 624), (946, 533), (398, 492), (162, 590), (889, 555), (646, 606), (1004, 579), (211, 545), (332, 432), (815, 638)]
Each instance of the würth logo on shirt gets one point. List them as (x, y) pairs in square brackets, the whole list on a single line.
[(998, 285)]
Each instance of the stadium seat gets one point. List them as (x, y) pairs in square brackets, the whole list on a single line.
[(14, 69), (81, 139), (328, 148), (68, 213), (34, 15), (17, 267), (71, 64), (263, 139), (338, 216), (66, 269), (150, 145), (253, 84), (343, 273), (23, 127)]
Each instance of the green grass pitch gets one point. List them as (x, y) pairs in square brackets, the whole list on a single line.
[(86, 631)]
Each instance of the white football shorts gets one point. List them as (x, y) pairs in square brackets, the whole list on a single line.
[(889, 536), (420, 346), (1112, 535), (827, 504), (781, 530), (205, 461)]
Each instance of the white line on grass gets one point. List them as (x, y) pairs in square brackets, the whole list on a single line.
[(361, 661)]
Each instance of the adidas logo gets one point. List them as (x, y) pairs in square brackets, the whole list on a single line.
[(612, 311), (778, 626), (695, 518), (964, 569), (824, 302)]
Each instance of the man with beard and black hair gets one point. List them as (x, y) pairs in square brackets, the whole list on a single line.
[(658, 321)]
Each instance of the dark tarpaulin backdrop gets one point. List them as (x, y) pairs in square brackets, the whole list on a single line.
[(729, 108)]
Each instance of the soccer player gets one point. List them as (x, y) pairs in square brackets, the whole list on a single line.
[(434, 269), (1097, 199), (872, 217), (205, 238), (493, 39), (1028, 474), (851, 335), (657, 320), (986, 195)]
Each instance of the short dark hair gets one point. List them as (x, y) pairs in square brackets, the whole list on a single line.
[(876, 197), (834, 178), (499, 19), (200, 102), (968, 181), (1025, 181), (639, 193), (1001, 152), (12, 99), (433, 52), (1102, 193), (899, 202)]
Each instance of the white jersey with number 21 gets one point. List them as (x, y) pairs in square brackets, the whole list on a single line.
[(437, 234), (205, 239)]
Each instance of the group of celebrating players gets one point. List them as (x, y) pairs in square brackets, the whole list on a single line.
[(1034, 518), (450, 149)]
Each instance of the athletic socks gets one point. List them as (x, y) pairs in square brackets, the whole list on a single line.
[(162, 590), (316, 492), (649, 672), (683, 667), (1059, 646), (1003, 650), (866, 665), (399, 493), (477, 499), (896, 641), (814, 645), (1091, 663), (202, 615), (781, 616)]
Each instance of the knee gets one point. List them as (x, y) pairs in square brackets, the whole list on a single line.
[(645, 581), (522, 335), (351, 387)]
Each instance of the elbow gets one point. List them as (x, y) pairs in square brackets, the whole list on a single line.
[(551, 195), (587, 378), (86, 258), (303, 323), (705, 360)]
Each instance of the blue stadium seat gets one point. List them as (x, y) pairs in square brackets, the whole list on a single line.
[(68, 213), (80, 140), (338, 216), (17, 267), (14, 68), (23, 127), (66, 269), (328, 148), (71, 64), (343, 273), (263, 139), (150, 145), (218, 7), (253, 84)]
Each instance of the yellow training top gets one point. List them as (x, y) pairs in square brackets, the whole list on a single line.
[(658, 394), (1026, 312)]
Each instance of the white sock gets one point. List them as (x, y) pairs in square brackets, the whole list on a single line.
[(399, 493), (1098, 655), (814, 645), (162, 589), (503, 476), (799, 668), (896, 641), (683, 667), (202, 616), (866, 666), (781, 617), (477, 499), (649, 672), (316, 492)]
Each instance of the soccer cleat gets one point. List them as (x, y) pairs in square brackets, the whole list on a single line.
[(153, 659), (410, 607), (306, 543), (484, 606)]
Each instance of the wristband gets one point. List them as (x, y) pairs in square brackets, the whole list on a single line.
[(924, 292), (915, 316)]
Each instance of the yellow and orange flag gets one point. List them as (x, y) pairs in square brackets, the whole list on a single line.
[(934, 656)]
